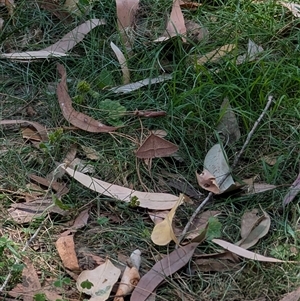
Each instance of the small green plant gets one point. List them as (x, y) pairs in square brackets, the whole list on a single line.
[(214, 228), (102, 221), (112, 111)]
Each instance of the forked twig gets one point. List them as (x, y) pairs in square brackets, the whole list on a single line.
[(237, 158)]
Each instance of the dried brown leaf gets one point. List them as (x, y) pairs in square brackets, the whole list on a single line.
[(294, 8), (77, 119), (56, 186), (66, 249), (40, 129), (26, 212), (208, 181), (163, 268), (253, 228), (156, 147), (90, 153)]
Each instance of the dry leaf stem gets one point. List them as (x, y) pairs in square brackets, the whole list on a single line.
[(237, 158)]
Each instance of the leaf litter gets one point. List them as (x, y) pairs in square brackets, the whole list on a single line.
[(253, 227)]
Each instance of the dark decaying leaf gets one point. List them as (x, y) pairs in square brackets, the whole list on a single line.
[(77, 119), (162, 269), (228, 124), (41, 129), (56, 186), (26, 212), (156, 147)]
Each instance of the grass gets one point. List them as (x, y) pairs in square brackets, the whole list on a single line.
[(192, 101)]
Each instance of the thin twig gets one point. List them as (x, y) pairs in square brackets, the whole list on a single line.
[(210, 195)]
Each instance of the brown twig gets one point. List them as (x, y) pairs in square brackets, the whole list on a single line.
[(237, 158)]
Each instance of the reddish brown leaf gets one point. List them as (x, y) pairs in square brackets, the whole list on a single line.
[(41, 129), (78, 119), (156, 147), (66, 250), (30, 286), (163, 268)]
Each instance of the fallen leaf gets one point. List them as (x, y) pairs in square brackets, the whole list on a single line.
[(55, 8), (252, 52), (293, 7), (75, 36), (142, 83), (31, 286), (90, 153), (72, 7), (60, 48), (26, 212), (163, 232), (253, 228), (80, 222), (159, 201), (195, 31), (215, 55), (155, 147), (175, 25), (56, 186), (216, 163), (162, 269), (129, 280), (81, 166), (228, 124), (66, 249), (208, 181), (77, 119), (126, 10), (292, 296), (292, 192), (40, 129), (101, 280), (123, 62), (244, 253), (1, 23), (257, 187), (158, 216), (30, 134)]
